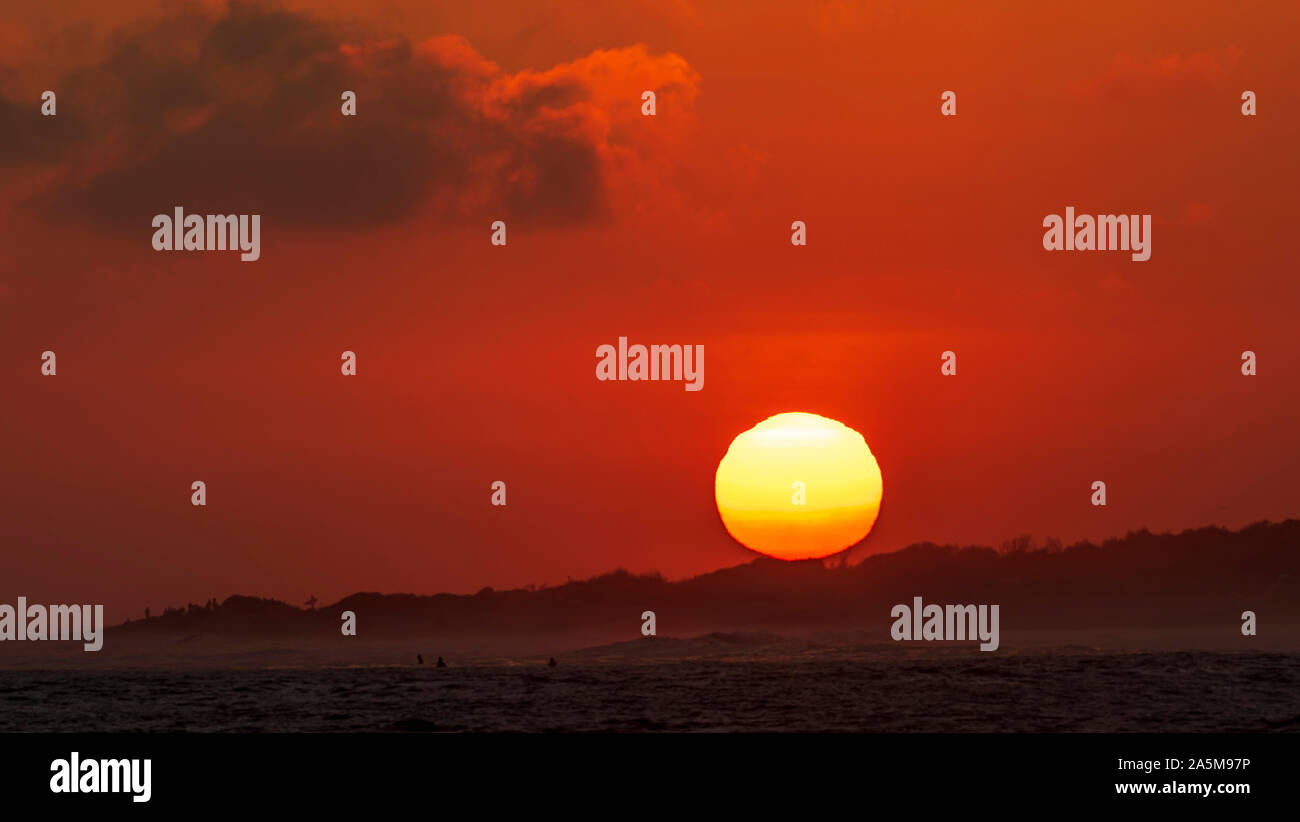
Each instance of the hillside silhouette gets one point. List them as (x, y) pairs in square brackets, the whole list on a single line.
[(1146, 581)]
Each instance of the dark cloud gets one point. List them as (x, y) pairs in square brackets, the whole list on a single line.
[(26, 136), (240, 113)]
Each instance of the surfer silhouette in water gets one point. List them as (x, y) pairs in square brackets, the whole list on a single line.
[(441, 664), (552, 663), (419, 658)]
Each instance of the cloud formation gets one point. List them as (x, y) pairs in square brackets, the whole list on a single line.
[(238, 110)]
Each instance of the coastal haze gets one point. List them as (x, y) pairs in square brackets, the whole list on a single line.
[(1141, 592), (796, 646)]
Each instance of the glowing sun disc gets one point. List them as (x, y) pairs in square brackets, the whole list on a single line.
[(798, 486)]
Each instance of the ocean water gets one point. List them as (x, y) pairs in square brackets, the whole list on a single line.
[(1070, 692)]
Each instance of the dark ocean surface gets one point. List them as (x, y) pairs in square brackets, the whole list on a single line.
[(761, 690)]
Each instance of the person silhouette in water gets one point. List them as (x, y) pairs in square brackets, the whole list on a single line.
[(441, 664), (419, 658), (552, 663)]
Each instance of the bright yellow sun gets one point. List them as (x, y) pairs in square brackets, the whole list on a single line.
[(798, 486)]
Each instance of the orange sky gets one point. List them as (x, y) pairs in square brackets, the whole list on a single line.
[(476, 363)]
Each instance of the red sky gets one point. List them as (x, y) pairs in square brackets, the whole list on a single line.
[(477, 363)]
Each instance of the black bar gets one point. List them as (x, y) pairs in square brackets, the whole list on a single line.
[(618, 774)]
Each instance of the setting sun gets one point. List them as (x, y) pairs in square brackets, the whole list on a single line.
[(798, 486)]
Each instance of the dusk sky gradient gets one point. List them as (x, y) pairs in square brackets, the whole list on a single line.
[(476, 363)]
